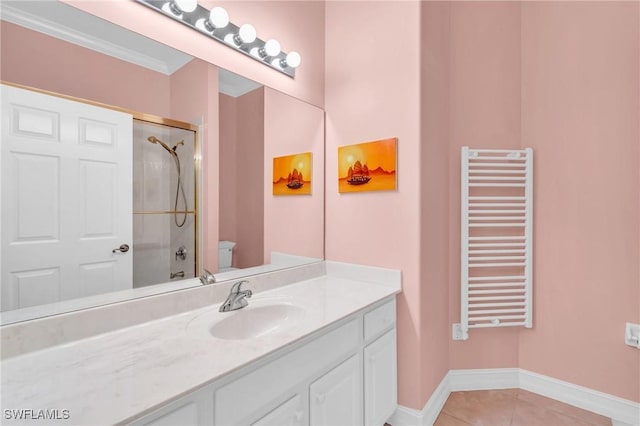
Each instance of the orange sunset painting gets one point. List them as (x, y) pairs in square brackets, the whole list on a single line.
[(369, 166), (292, 174)]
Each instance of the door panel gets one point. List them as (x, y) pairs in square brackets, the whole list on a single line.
[(34, 287), (336, 397), (98, 209), (36, 196), (35, 123), (380, 380), (66, 199)]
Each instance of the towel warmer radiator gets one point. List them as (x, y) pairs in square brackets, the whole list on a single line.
[(496, 239)]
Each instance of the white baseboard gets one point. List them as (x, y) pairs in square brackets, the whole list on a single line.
[(622, 412), (619, 423), (490, 378), (404, 416), (427, 416)]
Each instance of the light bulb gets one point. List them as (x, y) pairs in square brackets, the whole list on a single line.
[(186, 5), (218, 17), (272, 47), (247, 33), (293, 60)]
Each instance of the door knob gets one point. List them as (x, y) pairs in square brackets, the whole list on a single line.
[(122, 249)]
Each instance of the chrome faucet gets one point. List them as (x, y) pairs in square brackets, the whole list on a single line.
[(237, 299), (207, 278)]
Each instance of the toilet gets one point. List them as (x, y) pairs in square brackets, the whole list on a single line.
[(225, 256)]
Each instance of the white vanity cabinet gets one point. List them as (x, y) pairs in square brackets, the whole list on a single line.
[(344, 375), (336, 397), (380, 379), (380, 365)]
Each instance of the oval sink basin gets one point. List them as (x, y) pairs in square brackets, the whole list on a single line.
[(256, 321)]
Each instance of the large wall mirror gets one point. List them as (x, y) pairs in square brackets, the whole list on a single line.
[(129, 167)]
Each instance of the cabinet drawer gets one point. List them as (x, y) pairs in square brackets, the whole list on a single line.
[(380, 319)]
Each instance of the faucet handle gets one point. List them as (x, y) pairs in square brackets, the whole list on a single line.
[(236, 287), (207, 278)]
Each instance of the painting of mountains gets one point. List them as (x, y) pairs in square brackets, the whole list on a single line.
[(292, 174), (368, 166)]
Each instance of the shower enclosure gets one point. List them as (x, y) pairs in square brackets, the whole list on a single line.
[(164, 213)]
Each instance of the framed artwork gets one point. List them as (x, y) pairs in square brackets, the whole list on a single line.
[(369, 166), (292, 174)]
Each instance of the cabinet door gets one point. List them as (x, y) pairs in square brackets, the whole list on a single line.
[(195, 409), (336, 397), (380, 380), (291, 413)]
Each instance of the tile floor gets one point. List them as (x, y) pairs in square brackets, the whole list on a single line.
[(512, 407)]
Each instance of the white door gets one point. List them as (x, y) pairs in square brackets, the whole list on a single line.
[(336, 397), (66, 199)]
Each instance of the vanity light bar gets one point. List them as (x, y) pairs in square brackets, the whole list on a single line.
[(242, 39)]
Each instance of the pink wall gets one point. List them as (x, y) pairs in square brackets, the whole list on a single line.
[(434, 192), (266, 124), (298, 26), (293, 224), (372, 92), (484, 112), (241, 175), (562, 78), (194, 99), (580, 106), (51, 64), (228, 164), (249, 172)]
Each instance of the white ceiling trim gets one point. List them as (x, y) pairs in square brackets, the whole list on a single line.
[(234, 85), (54, 29)]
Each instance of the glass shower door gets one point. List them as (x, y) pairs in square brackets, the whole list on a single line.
[(164, 213)]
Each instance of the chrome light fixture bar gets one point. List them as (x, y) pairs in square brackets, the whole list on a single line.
[(215, 24)]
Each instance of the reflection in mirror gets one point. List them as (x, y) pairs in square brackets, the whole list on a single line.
[(96, 65), (241, 223), (256, 227), (164, 216)]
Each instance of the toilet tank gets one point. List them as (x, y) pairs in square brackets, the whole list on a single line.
[(225, 254)]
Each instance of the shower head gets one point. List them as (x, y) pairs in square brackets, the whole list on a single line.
[(177, 145), (153, 139)]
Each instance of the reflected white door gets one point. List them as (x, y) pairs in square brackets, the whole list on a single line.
[(66, 199)]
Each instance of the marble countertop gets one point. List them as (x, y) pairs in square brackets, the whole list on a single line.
[(116, 376)]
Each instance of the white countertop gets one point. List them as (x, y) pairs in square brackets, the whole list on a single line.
[(116, 376)]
